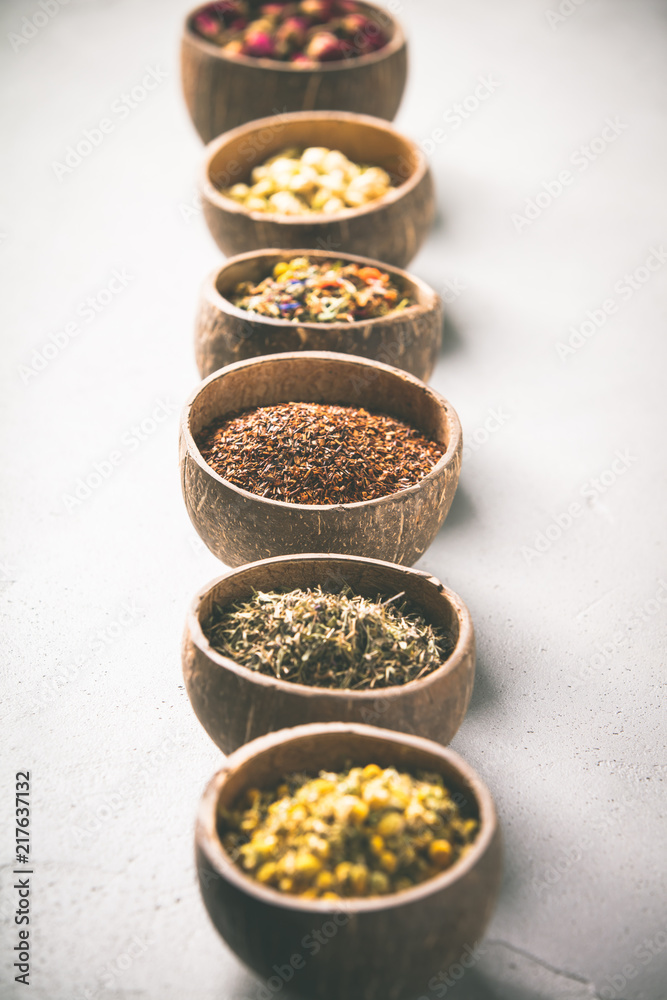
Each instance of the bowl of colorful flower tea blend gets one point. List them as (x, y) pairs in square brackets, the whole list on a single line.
[(244, 59), (356, 861), (319, 638), (327, 180), (276, 301), (318, 452)]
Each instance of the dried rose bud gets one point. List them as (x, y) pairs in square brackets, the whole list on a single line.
[(207, 25), (259, 44), (325, 47), (240, 24), (317, 10), (293, 31), (354, 23), (346, 7), (272, 9), (234, 48)]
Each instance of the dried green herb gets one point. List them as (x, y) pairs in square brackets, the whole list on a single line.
[(364, 832), (330, 640), (316, 453)]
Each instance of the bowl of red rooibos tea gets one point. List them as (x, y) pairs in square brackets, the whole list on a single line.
[(342, 861), (243, 59), (318, 452), (279, 301)]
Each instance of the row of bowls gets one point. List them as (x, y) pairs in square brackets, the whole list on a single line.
[(378, 948)]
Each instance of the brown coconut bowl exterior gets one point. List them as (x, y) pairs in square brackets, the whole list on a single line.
[(235, 704), (391, 228), (382, 948), (241, 527), (222, 92), (409, 339)]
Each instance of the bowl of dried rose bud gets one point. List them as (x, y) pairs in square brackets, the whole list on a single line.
[(341, 860), (273, 301), (323, 638), (244, 59), (318, 452), (329, 180)]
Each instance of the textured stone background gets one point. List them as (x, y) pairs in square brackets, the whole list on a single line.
[(95, 592)]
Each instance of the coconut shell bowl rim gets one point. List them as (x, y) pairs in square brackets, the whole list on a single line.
[(462, 648), (395, 43), (211, 193), (452, 419), (212, 290), (207, 830)]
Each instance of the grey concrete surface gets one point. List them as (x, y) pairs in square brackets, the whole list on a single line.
[(566, 723)]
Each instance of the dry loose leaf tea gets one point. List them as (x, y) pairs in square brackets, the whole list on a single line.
[(306, 291), (329, 640), (364, 832), (315, 453)]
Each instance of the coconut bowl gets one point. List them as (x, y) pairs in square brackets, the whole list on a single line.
[(409, 339), (391, 228), (236, 704), (222, 92), (241, 527), (381, 948)]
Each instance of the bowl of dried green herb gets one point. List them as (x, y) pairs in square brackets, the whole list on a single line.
[(318, 452), (321, 179), (350, 861), (276, 301), (320, 638), (241, 60)]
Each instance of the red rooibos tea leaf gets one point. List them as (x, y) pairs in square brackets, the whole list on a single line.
[(315, 453)]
